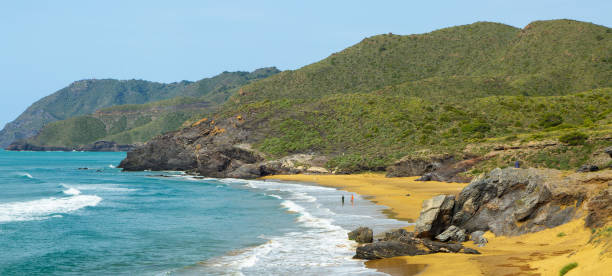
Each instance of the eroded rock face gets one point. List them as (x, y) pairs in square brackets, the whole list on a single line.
[(417, 166), (215, 149), (516, 201), (361, 235), (436, 215)]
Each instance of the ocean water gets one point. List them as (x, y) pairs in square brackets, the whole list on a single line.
[(58, 219)]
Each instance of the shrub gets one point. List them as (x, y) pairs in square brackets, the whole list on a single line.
[(567, 268), (574, 138), (561, 234), (551, 120), (476, 127)]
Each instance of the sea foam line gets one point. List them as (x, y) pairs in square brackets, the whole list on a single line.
[(45, 208)]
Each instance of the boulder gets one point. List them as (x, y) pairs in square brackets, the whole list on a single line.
[(361, 235), (478, 238), (388, 249), (588, 168), (436, 216), (405, 246), (452, 233), (515, 201)]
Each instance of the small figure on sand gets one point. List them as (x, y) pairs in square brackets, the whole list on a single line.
[(351, 199), (342, 200), (517, 164)]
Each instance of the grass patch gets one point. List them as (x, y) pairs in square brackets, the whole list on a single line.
[(567, 268)]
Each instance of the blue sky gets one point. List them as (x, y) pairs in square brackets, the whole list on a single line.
[(45, 45)]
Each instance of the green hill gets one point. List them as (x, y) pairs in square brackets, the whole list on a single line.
[(132, 123), (87, 96), (390, 95)]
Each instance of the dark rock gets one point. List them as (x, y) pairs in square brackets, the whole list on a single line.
[(588, 168), (400, 243), (468, 250), (387, 249), (436, 215), (83, 168), (452, 233), (608, 150), (361, 235)]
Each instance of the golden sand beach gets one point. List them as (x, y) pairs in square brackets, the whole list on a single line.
[(541, 253)]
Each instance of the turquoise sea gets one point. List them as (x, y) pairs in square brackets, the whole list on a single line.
[(57, 218)]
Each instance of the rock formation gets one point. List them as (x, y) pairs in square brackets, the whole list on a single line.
[(361, 235)]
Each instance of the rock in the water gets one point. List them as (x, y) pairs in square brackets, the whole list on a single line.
[(478, 238), (588, 168), (452, 233), (361, 235), (436, 215)]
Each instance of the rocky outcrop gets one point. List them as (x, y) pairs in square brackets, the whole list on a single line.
[(516, 201), (361, 235), (97, 146), (436, 215), (446, 168), (216, 149), (403, 243), (452, 233), (417, 166)]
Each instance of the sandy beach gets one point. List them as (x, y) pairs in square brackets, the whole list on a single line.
[(541, 253)]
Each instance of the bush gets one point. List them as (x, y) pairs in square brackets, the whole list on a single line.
[(574, 138), (476, 127), (551, 120), (567, 268)]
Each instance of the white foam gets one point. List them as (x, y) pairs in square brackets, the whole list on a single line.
[(72, 191), (45, 208), (319, 247), (25, 174), (111, 166), (104, 187)]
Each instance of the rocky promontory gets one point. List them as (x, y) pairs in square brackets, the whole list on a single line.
[(216, 149)]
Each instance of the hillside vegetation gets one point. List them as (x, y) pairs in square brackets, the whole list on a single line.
[(391, 96), (137, 122)]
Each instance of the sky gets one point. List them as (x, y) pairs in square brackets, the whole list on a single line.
[(46, 45)]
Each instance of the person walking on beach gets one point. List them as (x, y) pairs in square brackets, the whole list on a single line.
[(342, 200), (351, 199)]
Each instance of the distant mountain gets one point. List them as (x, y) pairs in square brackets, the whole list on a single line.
[(86, 96), (393, 96)]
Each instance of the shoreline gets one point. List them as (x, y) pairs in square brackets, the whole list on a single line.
[(540, 253)]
